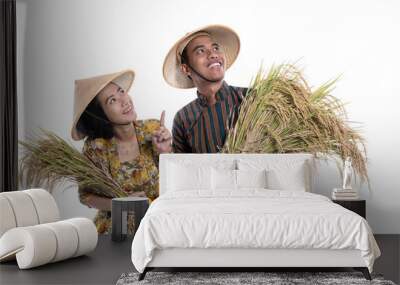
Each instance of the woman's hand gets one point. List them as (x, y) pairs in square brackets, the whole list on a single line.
[(138, 194), (162, 137), (98, 202), (104, 203)]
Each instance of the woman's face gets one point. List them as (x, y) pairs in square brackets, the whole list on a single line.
[(117, 104)]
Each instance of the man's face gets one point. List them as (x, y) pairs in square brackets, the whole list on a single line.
[(206, 57)]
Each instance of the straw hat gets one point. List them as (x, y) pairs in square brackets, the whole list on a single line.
[(86, 89), (225, 36)]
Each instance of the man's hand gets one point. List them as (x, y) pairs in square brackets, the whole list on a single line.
[(162, 137)]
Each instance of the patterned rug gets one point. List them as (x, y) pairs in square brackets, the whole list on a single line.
[(243, 278)]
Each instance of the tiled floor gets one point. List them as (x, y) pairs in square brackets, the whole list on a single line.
[(110, 260)]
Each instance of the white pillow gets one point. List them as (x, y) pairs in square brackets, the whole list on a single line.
[(227, 179), (293, 175), (294, 181), (251, 178), (223, 179), (188, 177)]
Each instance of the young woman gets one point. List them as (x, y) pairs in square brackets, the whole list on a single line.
[(128, 148)]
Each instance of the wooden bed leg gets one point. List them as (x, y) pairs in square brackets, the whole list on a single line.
[(143, 274), (364, 271)]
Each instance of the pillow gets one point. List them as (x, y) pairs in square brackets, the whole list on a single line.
[(223, 179), (251, 178), (293, 175), (188, 177), (227, 179), (294, 180)]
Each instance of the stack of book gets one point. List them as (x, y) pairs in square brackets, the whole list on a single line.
[(344, 194)]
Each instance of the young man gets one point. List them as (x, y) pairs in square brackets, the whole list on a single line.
[(200, 60)]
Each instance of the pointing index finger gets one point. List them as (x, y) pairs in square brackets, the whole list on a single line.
[(162, 119)]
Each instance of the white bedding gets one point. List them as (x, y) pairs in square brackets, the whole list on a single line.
[(251, 218)]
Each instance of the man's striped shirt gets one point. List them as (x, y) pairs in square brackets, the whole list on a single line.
[(200, 128)]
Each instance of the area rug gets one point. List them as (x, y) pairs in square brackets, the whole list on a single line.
[(242, 278)]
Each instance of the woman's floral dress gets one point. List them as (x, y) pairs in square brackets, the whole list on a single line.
[(138, 175)]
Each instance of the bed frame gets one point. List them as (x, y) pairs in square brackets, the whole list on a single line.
[(249, 259), (246, 259)]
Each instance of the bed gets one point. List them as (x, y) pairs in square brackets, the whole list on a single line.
[(245, 211)]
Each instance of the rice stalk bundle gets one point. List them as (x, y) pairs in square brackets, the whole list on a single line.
[(281, 114), (49, 160)]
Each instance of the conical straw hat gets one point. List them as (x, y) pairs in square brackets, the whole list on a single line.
[(224, 36), (86, 89)]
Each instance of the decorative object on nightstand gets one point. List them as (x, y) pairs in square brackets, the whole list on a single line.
[(119, 214), (346, 192), (357, 206), (347, 174)]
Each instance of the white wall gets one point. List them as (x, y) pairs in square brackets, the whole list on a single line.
[(65, 40)]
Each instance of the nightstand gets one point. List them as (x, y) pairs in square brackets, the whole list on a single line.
[(119, 214), (357, 206)]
